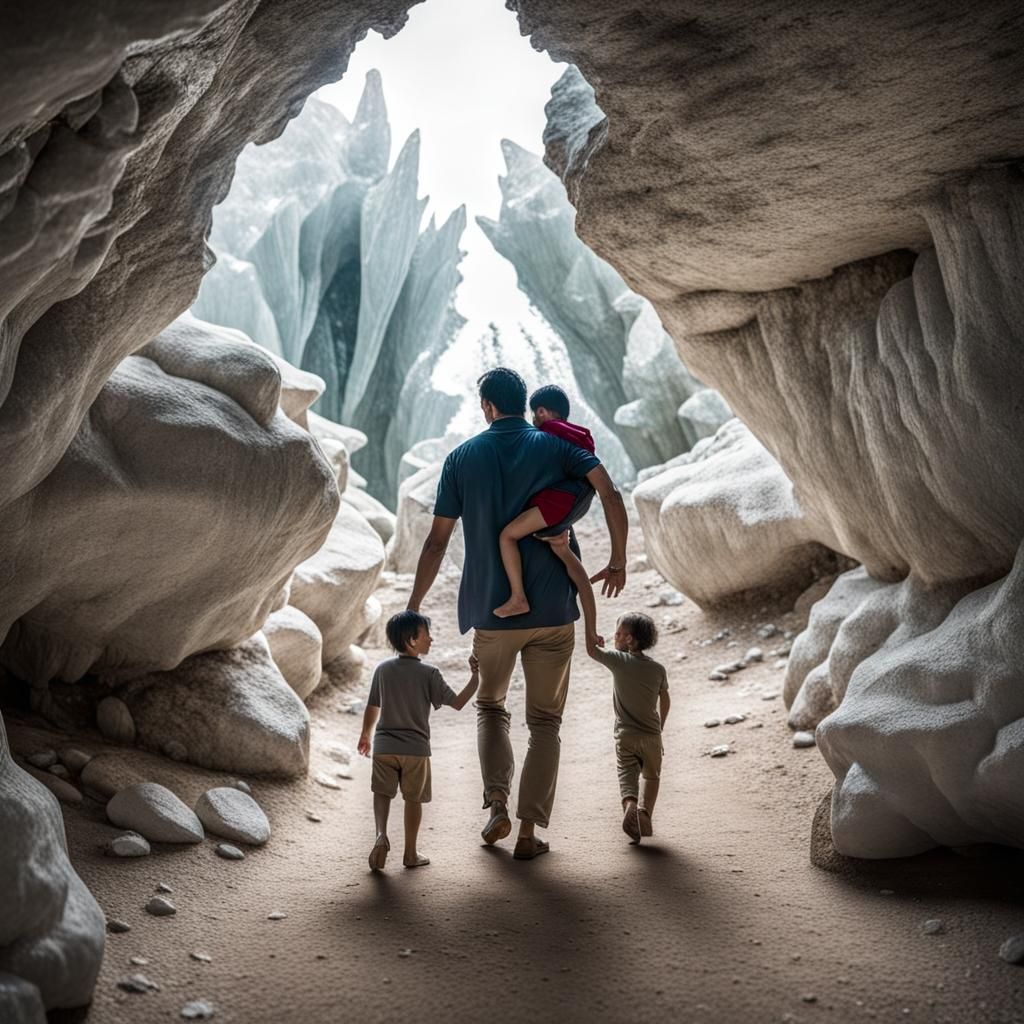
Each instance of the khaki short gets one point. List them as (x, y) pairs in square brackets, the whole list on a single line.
[(394, 771), (636, 754)]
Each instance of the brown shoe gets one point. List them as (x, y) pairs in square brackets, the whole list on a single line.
[(644, 818), (499, 826), (529, 847), (631, 824)]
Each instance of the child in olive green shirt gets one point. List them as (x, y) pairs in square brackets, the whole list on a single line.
[(641, 701)]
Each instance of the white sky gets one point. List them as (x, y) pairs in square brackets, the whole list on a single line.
[(461, 73)]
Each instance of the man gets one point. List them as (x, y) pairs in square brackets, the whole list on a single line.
[(487, 481)]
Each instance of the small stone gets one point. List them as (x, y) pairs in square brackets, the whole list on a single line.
[(803, 739), (276, 915), (681, 656), (754, 654), (809, 998), (338, 752), (59, 770), (310, 816), (1012, 950), (729, 667), (322, 779), (128, 844), (164, 887), (720, 751), (717, 676), (203, 958), (160, 907), (116, 927), (74, 759), (406, 953), (343, 773), (768, 696), (757, 725), (357, 707), (232, 814), (782, 651), (243, 786), (137, 983), (767, 631), (734, 719), (933, 926), (198, 1009), (229, 852), (138, 961), (733, 643), (155, 812), (115, 721), (42, 758), (780, 664), (711, 723), (722, 634)]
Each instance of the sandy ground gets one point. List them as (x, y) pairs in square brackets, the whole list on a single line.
[(720, 918)]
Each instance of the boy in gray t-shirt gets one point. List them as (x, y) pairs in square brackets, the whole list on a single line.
[(641, 701), (402, 693)]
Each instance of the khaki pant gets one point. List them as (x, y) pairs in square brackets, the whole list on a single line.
[(546, 655), (412, 774), (637, 753)]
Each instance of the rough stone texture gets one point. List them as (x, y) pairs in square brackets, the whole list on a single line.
[(230, 710), (721, 520), (20, 1001), (155, 813), (51, 929), (416, 497), (702, 414), (381, 518), (296, 647), (333, 586), (232, 814)]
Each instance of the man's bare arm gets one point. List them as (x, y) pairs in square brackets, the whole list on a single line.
[(431, 557), (613, 575)]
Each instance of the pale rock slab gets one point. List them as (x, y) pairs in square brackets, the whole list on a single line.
[(333, 586), (155, 813), (296, 647), (722, 519), (702, 414), (229, 710), (232, 814), (381, 518), (416, 497), (52, 931)]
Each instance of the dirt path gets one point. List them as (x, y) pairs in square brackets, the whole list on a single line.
[(720, 918)]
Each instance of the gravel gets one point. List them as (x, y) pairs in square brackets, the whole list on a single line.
[(158, 906), (128, 844), (117, 927), (720, 751), (933, 926), (198, 1009), (229, 852), (1012, 950), (137, 983), (803, 739)]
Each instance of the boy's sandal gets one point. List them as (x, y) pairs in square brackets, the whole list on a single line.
[(379, 853), (644, 817), (529, 847), (497, 828), (631, 824)]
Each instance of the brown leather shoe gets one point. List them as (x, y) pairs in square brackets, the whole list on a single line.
[(529, 847), (499, 826)]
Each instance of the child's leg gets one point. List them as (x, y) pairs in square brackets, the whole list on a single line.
[(413, 818), (578, 574), (649, 794), (628, 765), (381, 808), (650, 783), (508, 541)]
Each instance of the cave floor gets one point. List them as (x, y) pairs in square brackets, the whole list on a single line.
[(721, 917)]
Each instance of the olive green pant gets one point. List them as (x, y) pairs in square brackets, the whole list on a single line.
[(546, 655)]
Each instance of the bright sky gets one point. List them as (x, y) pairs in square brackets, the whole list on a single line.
[(461, 73)]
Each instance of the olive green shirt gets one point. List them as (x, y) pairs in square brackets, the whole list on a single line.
[(637, 683)]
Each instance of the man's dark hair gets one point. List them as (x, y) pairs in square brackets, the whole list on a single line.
[(505, 389), (402, 628), (551, 397), (642, 628)]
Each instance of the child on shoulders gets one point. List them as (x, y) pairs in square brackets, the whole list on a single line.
[(403, 691), (641, 701)]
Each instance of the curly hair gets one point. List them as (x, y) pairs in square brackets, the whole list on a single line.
[(642, 628)]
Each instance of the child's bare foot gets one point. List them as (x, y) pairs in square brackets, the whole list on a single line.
[(379, 853), (415, 861), (631, 823), (513, 606), (644, 819)]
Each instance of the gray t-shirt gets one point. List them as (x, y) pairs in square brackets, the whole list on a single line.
[(405, 689), (638, 680)]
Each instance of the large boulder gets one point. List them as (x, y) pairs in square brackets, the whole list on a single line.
[(51, 929), (721, 521), (296, 647), (416, 497)]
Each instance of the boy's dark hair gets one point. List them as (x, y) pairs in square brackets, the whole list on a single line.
[(402, 628), (505, 389), (642, 628), (552, 397)]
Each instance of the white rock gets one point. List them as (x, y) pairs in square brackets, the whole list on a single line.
[(717, 676), (734, 719), (243, 786), (416, 496), (754, 654), (156, 813), (115, 721), (129, 844), (198, 1009), (52, 931), (229, 852), (322, 779), (711, 723), (232, 814), (719, 751), (296, 647), (803, 739), (137, 984)]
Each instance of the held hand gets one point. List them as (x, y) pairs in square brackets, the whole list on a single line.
[(474, 664), (364, 745), (594, 640), (613, 580)]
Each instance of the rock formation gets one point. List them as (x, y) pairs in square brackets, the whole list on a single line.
[(622, 359), (321, 259)]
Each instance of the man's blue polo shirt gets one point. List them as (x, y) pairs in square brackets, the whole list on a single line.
[(488, 481)]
